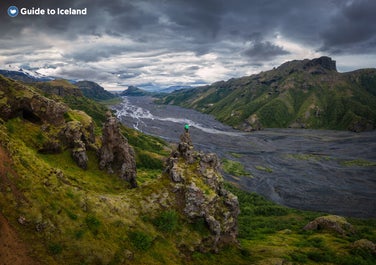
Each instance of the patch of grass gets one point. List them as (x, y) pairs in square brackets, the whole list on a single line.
[(234, 168), (147, 161), (358, 163), (140, 240), (236, 155), (265, 169), (316, 157), (167, 221), (93, 224), (55, 248)]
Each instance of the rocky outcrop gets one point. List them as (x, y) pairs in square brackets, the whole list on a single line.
[(198, 185), (17, 100), (323, 62), (333, 223), (60, 87), (115, 154)]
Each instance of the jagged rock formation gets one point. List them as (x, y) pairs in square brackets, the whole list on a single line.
[(17, 100), (199, 187), (116, 155), (321, 63), (79, 137)]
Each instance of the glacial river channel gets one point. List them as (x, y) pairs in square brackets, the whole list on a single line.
[(299, 168)]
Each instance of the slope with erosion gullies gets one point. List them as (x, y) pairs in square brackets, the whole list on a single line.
[(180, 213), (298, 94)]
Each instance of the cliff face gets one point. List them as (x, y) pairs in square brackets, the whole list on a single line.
[(198, 186), (116, 155)]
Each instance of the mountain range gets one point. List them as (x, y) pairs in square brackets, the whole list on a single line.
[(298, 94)]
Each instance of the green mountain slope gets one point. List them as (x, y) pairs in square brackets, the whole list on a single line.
[(94, 91), (302, 94), (180, 213)]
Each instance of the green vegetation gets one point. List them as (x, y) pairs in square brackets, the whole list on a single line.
[(140, 240), (359, 163), (270, 232), (289, 96), (92, 108), (265, 169), (167, 221), (301, 156), (234, 168), (103, 220)]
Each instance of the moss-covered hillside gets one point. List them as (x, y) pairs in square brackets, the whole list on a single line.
[(64, 214), (300, 94)]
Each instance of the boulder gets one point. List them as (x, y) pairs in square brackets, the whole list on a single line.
[(115, 154), (334, 223), (364, 245)]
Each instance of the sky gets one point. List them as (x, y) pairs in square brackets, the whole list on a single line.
[(161, 43)]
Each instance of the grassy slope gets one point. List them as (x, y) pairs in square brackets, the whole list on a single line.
[(281, 97)]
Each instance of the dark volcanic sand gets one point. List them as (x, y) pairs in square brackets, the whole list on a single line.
[(306, 164)]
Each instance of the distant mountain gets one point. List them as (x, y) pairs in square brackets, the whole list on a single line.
[(94, 91), (173, 88), (24, 76), (136, 92), (300, 94)]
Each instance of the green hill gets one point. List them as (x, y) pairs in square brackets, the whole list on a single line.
[(94, 91), (298, 94), (54, 211)]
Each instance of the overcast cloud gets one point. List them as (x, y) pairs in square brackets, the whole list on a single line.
[(185, 42)]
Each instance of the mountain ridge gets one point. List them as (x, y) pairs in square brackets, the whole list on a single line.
[(298, 94)]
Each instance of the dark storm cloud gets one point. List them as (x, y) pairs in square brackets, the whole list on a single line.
[(264, 51), (146, 32), (95, 53), (352, 29)]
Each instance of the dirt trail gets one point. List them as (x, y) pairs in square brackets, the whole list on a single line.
[(12, 250)]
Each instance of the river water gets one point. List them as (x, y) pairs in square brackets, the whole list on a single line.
[(299, 168)]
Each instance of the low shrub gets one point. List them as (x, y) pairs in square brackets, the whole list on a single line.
[(167, 221), (140, 240)]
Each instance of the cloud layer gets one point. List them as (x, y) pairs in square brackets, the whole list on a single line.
[(178, 42)]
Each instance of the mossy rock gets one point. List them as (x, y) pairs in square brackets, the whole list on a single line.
[(334, 223)]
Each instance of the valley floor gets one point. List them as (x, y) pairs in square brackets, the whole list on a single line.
[(320, 170)]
